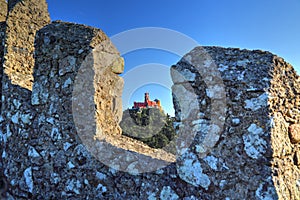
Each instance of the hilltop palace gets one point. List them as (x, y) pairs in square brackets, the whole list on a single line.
[(147, 103)]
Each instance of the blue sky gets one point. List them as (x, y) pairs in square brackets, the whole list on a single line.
[(271, 25)]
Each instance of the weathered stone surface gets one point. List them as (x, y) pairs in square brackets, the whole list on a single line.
[(254, 146), (70, 116), (2, 37), (23, 20), (3, 10), (237, 112)]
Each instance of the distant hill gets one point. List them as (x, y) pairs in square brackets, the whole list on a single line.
[(149, 125)]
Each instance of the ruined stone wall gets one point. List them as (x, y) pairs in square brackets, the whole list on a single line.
[(252, 156), (284, 105), (45, 153), (3, 10), (24, 19), (237, 113), (22, 22)]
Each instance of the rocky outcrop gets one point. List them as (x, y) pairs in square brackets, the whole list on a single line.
[(255, 94)]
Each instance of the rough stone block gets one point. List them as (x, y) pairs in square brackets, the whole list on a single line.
[(246, 132), (23, 20), (3, 11)]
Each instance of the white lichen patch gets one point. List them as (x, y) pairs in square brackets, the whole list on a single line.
[(266, 193), (241, 76), (39, 95), (255, 145), (73, 186), (215, 91), (222, 68), (80, 51), (50, 120), (133, 168), (186, 100), (235, 121), (33, 153), (3, 154), (55, 134), (26, 118), (199, 148), (207, 63), (28, 179), (101, 188), (242, 63), (67, 83), (16, 103), (159, 171), (222, 183), (200, 125), (54, 178), (212, 162), (152, 196), (66, 65), (5, 136), (254, 129), (67, 145), (168, 194), (257, 103), (15, 118), (190, 170), (70, 165), (211, 135), (190, 198), (101, 176), (183, 76)]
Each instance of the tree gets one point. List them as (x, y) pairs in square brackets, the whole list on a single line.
[(149, 125)]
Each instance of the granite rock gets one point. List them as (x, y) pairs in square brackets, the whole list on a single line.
[(3, 11), (237, 115), (255, 140)]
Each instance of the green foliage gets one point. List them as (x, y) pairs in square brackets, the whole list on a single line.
[(149, 125)]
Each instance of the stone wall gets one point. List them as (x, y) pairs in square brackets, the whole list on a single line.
[(252, 156), (3, 13), (23, 20), (284, 105), (237, 113), (3, 10), (76, 87), (44, 154), (2, 37)]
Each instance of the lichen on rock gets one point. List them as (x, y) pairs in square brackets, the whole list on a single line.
[(237, 115), (259, 140)]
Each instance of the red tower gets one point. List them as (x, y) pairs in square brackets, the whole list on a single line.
[(147, 98), (147, 103)]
